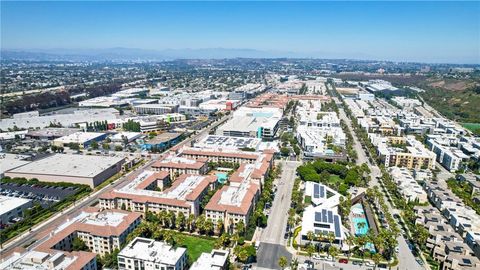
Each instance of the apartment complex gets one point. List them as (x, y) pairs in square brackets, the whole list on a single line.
[(402, 152), (140, 195)]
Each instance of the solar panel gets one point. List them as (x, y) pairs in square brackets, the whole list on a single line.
[(336, 223), (324, 215), (318, 217), (315, 191)]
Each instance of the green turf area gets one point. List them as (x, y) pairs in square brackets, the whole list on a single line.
[(471, 126), (195, 245)]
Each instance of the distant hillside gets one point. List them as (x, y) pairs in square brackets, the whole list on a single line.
[(128, 54)]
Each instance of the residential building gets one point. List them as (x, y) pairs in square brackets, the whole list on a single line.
[(215, 260), (148, 254)]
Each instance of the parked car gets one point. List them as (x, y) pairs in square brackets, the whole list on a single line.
[(343, 261)]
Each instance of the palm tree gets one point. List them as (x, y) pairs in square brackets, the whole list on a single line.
[(331, 237), (350, 242), (162, 216), (170, 238), (171, 219), (376, 259), (282, 262), (294, 264), (191, 222), (310, 236), (209, 227), (310, 250), (333, 251), (220, 226), (361, 242), (180, 221), (240, 227), (200, 223)]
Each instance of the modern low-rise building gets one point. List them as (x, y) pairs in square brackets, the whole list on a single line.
[(148, 254), (407, 185), (215, 260), (12, 208)]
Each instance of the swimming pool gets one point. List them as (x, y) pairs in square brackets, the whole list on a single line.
[(221, 177), (359, 220), (360, 224)]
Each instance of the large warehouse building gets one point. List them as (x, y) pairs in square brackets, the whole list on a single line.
[(78, 169)]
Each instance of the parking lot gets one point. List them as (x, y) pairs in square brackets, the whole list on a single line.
[(43, 195)]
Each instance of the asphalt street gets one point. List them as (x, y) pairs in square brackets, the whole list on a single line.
[(406, 259), (272, 242)]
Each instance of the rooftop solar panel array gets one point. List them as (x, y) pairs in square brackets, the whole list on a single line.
[(318, 191)]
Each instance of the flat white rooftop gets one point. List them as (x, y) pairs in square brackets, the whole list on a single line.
[(9, 203), (152, 251), (79, 137), (69, 165), (105, 219), (228, 142)]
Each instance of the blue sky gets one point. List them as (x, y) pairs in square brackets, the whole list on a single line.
[(411, 31)]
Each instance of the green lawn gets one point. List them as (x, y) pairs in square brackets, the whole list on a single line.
[(471, 126), (195, 245), (334, 179)]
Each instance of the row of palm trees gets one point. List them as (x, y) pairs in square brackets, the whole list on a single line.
[(181, 222)]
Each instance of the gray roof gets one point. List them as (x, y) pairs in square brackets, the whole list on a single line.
[(69, 165)]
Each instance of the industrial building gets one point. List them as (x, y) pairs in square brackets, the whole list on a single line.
[(78, 169), (161, 141), (155, 108), (83, 139)]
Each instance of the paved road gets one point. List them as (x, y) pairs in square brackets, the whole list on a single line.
[(272, 242), (406, 259), (30, 236)]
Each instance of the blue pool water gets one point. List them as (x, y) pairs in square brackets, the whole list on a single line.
[(359, 218), (221, 177)]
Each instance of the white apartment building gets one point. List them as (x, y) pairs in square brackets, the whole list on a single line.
[(408, 187), (148, 254)]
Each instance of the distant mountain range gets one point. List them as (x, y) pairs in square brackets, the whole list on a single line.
[(130, 54)]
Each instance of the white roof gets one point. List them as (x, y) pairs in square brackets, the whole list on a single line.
[(152, 251), (79, 137), (69, 165), (9, 203)]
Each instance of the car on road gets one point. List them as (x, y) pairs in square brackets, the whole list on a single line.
[(382, 266), (343, 261), (317, 257), (419, 261), (369, 264), (397, 249), (359, 263)]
